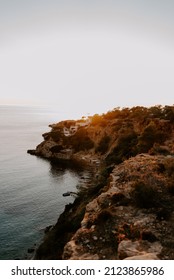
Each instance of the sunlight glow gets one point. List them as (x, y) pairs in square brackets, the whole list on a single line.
[(83, 65)]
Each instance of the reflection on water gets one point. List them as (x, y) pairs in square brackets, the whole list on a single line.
[(31, 189), (58, 167), (65, 173)]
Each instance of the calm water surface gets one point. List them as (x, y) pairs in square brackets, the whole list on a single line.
[(30, 188)]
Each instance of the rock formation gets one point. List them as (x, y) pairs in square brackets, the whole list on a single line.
[(133, 217), (127, 212)]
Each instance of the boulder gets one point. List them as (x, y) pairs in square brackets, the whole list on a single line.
[(129, 248)]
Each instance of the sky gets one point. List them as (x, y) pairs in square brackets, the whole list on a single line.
[(86, 57)]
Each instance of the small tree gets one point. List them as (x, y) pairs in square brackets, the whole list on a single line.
[(103, 144), (125, 147), (150, 135)]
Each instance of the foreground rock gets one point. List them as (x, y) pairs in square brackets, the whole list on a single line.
[(132, 217), (128, 249)]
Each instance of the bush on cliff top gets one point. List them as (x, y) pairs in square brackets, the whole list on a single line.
[(150, 135)]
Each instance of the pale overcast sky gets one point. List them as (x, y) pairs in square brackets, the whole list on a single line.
[(87, 56)]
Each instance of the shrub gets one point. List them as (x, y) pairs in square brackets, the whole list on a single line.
[(125, 147), (131, 232), (95, 120), (169, 167), (55, 135), (170, 187), (114, 114), (80, 141), (103, 144), (157, 149), (56, 148), (144, 196), (150, 135), (168, 112)]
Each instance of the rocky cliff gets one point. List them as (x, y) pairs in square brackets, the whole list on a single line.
[(127, 210)]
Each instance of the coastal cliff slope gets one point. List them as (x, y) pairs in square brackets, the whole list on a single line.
[(127, 210)]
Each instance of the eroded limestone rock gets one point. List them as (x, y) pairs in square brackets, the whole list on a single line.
[(129, 248)]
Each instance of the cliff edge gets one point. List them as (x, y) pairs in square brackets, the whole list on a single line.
[(127, 211)]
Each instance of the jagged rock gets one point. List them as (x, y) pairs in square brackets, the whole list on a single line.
[(132, 214), (129, 248), (136, 230), (31, 152), (75, 252)]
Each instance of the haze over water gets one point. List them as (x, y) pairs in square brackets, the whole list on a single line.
[(87, 56)]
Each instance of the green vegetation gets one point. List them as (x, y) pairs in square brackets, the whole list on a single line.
[(55, 135), (125, 147), (168, 168), (103, 144), (115, 137), (129, 231), (120, 133), (150, 135), (56, 148), (170, 186), (168, 112), (80, 141), (144, 196)]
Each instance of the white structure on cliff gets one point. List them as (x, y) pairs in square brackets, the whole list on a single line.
[(68, 131)]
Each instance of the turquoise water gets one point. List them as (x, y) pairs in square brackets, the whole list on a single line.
[(30, 188)]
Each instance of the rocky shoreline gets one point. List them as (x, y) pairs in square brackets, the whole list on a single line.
[(108, 223), (127, 209), (65, 220)]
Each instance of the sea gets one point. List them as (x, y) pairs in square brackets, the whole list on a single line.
[(31, 188)]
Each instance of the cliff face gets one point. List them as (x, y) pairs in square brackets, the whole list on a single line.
[(112, 137), (127, 212), (132, 217)]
